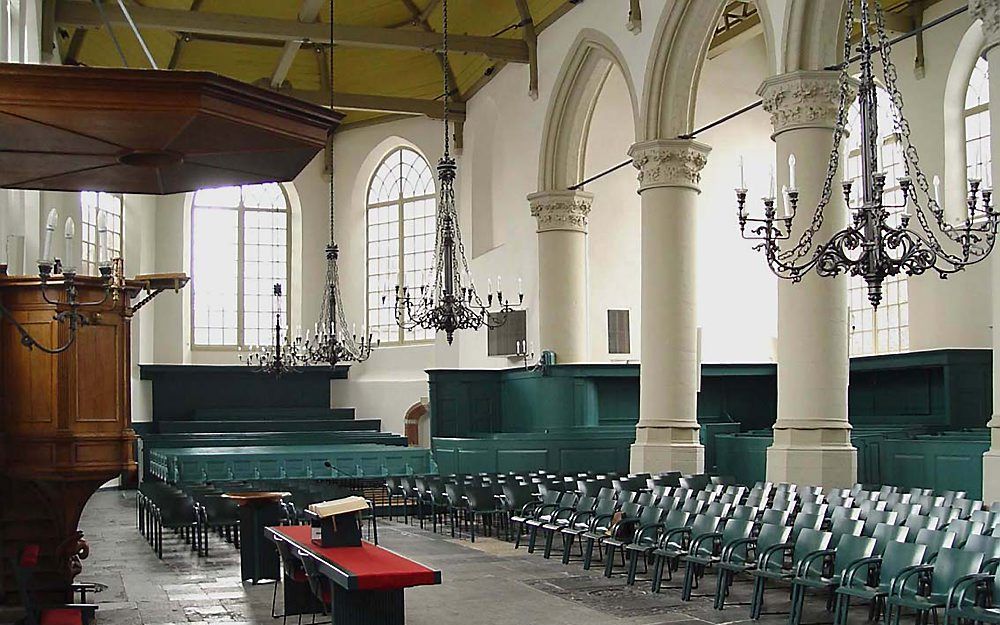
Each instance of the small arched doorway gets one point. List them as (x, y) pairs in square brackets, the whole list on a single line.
[(414, 425)]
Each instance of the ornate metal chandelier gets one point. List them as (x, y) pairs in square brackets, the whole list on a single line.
[(451, 302), (282, 356), (329, 342), (881, 240)]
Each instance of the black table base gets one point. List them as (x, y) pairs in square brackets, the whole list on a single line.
[(258, 558), (368, 607)]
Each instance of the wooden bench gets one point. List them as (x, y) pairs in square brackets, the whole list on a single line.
[(367, 582)]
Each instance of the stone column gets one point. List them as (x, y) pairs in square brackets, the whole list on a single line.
[(812, 435), (666, 436), (562, 272), (989, 12)]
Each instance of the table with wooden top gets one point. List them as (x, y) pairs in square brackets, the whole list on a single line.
[(257, 511), (367, 582)]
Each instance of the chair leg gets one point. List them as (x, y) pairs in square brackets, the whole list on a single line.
[(532, 537), (795, 616), (588, 554), (633, 564), (688, 582), (609, 562), (756, 603), (567, 545), (549, 537), (658, 562)]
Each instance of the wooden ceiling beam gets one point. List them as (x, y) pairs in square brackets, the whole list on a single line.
[(308, 13), (531, 42), (182, 38), (380, 103), (83, 14), (421, 21)]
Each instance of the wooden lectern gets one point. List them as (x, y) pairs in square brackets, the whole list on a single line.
[(65, 424)]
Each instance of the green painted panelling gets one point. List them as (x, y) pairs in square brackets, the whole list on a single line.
[(895, 456), (582, 449), (200, 464)]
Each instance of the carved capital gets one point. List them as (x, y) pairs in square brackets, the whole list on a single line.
[(802, 99), (561, 210), (669, 163), (989, 12)]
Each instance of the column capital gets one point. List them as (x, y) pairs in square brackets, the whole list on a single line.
[(669, 163), (561, 210), (989, 12), (802, 99)]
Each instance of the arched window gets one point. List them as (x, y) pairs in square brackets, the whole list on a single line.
[(400, 213), (886, 329), (239, 251), (93, 204), (977, 121)]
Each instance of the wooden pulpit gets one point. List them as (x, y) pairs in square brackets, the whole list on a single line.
[(65, 426)]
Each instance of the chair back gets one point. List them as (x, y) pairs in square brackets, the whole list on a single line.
[(850, 549), (944, 515), (878, 516), (606, 492), (666, 503), (811, 507), (736, 529), (935, 541), (676, 519), (743, 513), (966, 506), (625, 496), (629, 510), (645, 499), (917, 522), (772, 534), (774, 517), (898, 556), (963, 529), (989, 546), (650, 515), (871, 505), (704, 524), (836, 500), (845, 513), (805, 521), (718, 509), (808, 541), (318, 582), (692, 506), (605, 506), (845, 527), (885, 534), (950, 565)]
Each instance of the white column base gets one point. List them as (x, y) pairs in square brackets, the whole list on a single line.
[(815, 457), (659, 449)]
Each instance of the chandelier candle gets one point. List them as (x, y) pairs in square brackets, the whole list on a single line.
[(69, 235), (878, 241), (50, 227)]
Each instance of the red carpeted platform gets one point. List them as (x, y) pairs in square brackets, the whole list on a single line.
[(367, 567)]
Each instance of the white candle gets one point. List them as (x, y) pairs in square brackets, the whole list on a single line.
[(987, 177), (743, 184), (499, 287), (520, 290), (50, 227), (102, 237), (70, 235), (489, 285), (937, 191), (791, 171), (786, 210), (770, 192)]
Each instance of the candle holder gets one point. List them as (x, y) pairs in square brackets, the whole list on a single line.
[(66, 299)]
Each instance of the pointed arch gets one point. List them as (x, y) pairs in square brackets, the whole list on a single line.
[(567, 123), (807, 42)]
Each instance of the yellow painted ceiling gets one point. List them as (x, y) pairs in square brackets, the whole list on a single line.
[(390, 72)]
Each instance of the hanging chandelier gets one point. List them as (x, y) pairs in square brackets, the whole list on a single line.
[(881, 239), (329, 342), (450, 302), (281, 356)]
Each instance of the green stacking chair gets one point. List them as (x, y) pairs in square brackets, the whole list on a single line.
[(771, 563), (949, 567), (806, 521), (565, 517), (625, 533), (818, 572), (982, 607), (676, 543), (646, 539), (544, 514), (600, 532), (871, 579), (707, 549), (741, 555), (584, 522), (549, 500)]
